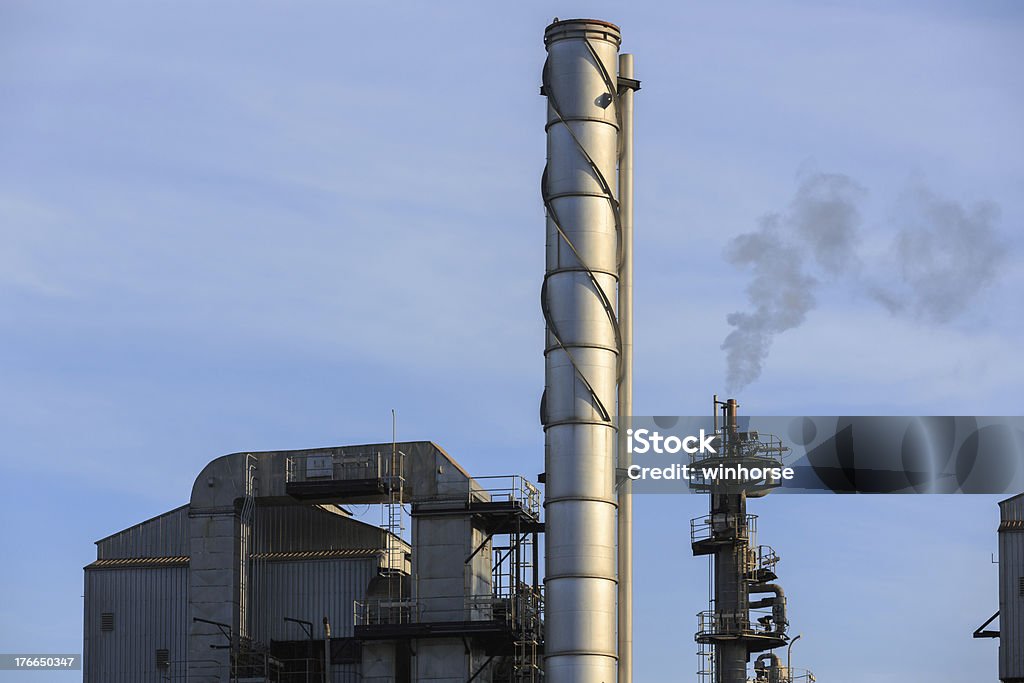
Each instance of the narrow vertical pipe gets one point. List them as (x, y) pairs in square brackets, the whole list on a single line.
[(327, 650), (731, 603), (625, 390)]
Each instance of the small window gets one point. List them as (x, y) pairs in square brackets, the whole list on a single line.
[(163, 659), (107, 621), (1022, 586)]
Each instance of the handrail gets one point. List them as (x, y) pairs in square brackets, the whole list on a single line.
[(378, 465), (711, 624), (704, 527), (510, 488), (346, 466), (755, 446), (513, 608)]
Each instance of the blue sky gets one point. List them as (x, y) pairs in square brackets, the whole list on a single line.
[(238, 226)]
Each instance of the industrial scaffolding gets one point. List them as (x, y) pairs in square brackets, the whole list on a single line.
[(735, 626)]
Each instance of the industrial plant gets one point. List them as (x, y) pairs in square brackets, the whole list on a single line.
[(267, 576), (736, 627), (264, 575)]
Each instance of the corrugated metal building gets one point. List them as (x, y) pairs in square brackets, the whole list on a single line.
[(145, 601), (136, 594), (309, 563), (238, 585), (1011, 590)]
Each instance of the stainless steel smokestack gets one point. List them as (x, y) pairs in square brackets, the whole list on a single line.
[(582, 351)]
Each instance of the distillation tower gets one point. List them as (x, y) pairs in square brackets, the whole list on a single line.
[(585, 298), (747, 611)]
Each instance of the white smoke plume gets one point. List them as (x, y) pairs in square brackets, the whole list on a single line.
[(942, 256), (945, 255), (822, 223)]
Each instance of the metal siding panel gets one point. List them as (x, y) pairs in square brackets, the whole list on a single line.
[(292, 528), (1011, 603), (163, 536), (310, 590), (345, 673), (91, 620), (149, 608), (1013, 508)]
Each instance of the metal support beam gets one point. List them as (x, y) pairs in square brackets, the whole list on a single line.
[(225, 629), (480, 670), (980, 632), (487, 539)]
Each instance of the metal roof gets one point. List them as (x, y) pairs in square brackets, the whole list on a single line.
[(183, 560), (1007, 500), (122, 562), (143, 523), (319, 554)]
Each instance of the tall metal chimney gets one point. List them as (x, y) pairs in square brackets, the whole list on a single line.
[(583, 352)]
